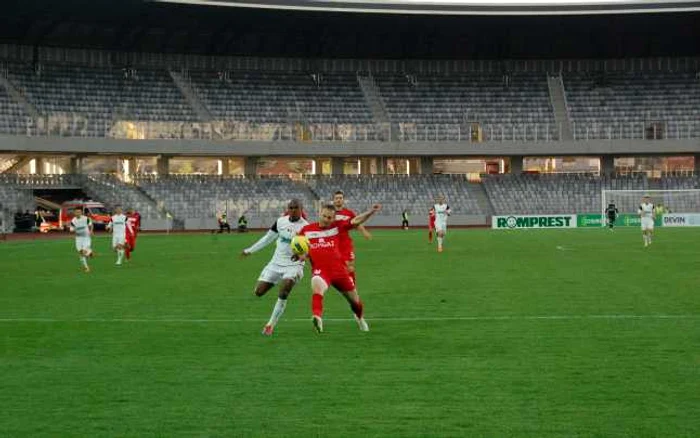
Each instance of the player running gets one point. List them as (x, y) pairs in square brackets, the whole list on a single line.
[(431, 224), (117, 225), (83, 229), (281, 268), (646, 213), (133, 225), (442, 211), (347, 249), (611, 214), (328, 264)]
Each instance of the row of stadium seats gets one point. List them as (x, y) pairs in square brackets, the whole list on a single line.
[(200, 196), (567, 193), (88, 101)]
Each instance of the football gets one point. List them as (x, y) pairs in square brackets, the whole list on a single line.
[(300, 245)]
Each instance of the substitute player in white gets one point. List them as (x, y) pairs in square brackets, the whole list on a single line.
[(82, 227), (442, 211), (117, 225), (646, 213), (281, 268)]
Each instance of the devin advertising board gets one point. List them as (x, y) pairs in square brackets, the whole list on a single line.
[(681, 220), (533, 221)]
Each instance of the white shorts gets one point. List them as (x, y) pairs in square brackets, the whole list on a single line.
[(274, 273), (647, 224), (118, 239), (83, 244), (441, 227)]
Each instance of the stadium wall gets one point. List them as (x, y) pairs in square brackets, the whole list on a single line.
[(73, 145)]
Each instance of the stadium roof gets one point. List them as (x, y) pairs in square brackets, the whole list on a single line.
[(141, 26), (464, 7)]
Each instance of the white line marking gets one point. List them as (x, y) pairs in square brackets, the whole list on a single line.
[(379, 318)]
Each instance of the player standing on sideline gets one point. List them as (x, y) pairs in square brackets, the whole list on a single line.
[(646, 213), (611, 213), (442, 210), (117, 224), (328, 263), (82, 227), (133, 225), (281, 268), (404, 219), (347, 249), (431, 224)]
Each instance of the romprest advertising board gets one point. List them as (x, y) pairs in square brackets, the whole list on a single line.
[(533, 221)]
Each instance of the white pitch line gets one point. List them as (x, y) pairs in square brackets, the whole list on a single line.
[(385, 319)]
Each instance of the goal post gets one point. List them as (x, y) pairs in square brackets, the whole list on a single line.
[(681, 201)]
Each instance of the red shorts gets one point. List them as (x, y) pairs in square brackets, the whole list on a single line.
[(341, 280), (431, 225), (131, 241)]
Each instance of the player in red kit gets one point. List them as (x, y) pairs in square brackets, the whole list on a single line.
[(347, 248), (431, 224), (328, 264), (133, 225)]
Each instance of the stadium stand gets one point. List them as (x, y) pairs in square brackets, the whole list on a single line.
[(434, 106), (112, 192), (614, 105), (398, 192), (574, 193), (286, 105), (86, 101), (13, 118), (200, 196)]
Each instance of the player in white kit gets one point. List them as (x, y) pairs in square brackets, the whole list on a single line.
[(117, 225), (442, 211), (82, 227), (281, 268), (646, 213)]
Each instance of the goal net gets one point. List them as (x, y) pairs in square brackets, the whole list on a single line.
[(666, 202)]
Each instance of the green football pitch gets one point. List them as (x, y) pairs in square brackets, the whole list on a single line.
[(507, 333)]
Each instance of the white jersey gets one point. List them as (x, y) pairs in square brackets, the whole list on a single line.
[(441, 213), (81, 226), (646, 210), (284, 230), (118, 225)]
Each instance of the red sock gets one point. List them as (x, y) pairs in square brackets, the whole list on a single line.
[(127, 252), (357, 308), (317, 305)]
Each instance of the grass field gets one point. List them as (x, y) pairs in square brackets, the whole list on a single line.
[(523, 333)]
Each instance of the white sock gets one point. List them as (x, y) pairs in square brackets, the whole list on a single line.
[(439, 241), (120, 255), (277, 311), (83, 260)]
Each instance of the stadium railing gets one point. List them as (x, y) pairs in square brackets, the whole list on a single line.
[(346, 132)]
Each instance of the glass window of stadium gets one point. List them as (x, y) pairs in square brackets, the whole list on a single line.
[(655, 167)]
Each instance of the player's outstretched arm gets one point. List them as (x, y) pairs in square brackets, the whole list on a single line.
[(265, 240), (363, 217), (365, 233)]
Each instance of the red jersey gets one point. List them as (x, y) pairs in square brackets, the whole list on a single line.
[(132, 224), (325, 245), (346, 245)]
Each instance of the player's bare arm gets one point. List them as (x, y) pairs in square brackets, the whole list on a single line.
[(363, 217), (265, 240), (365, 233)]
